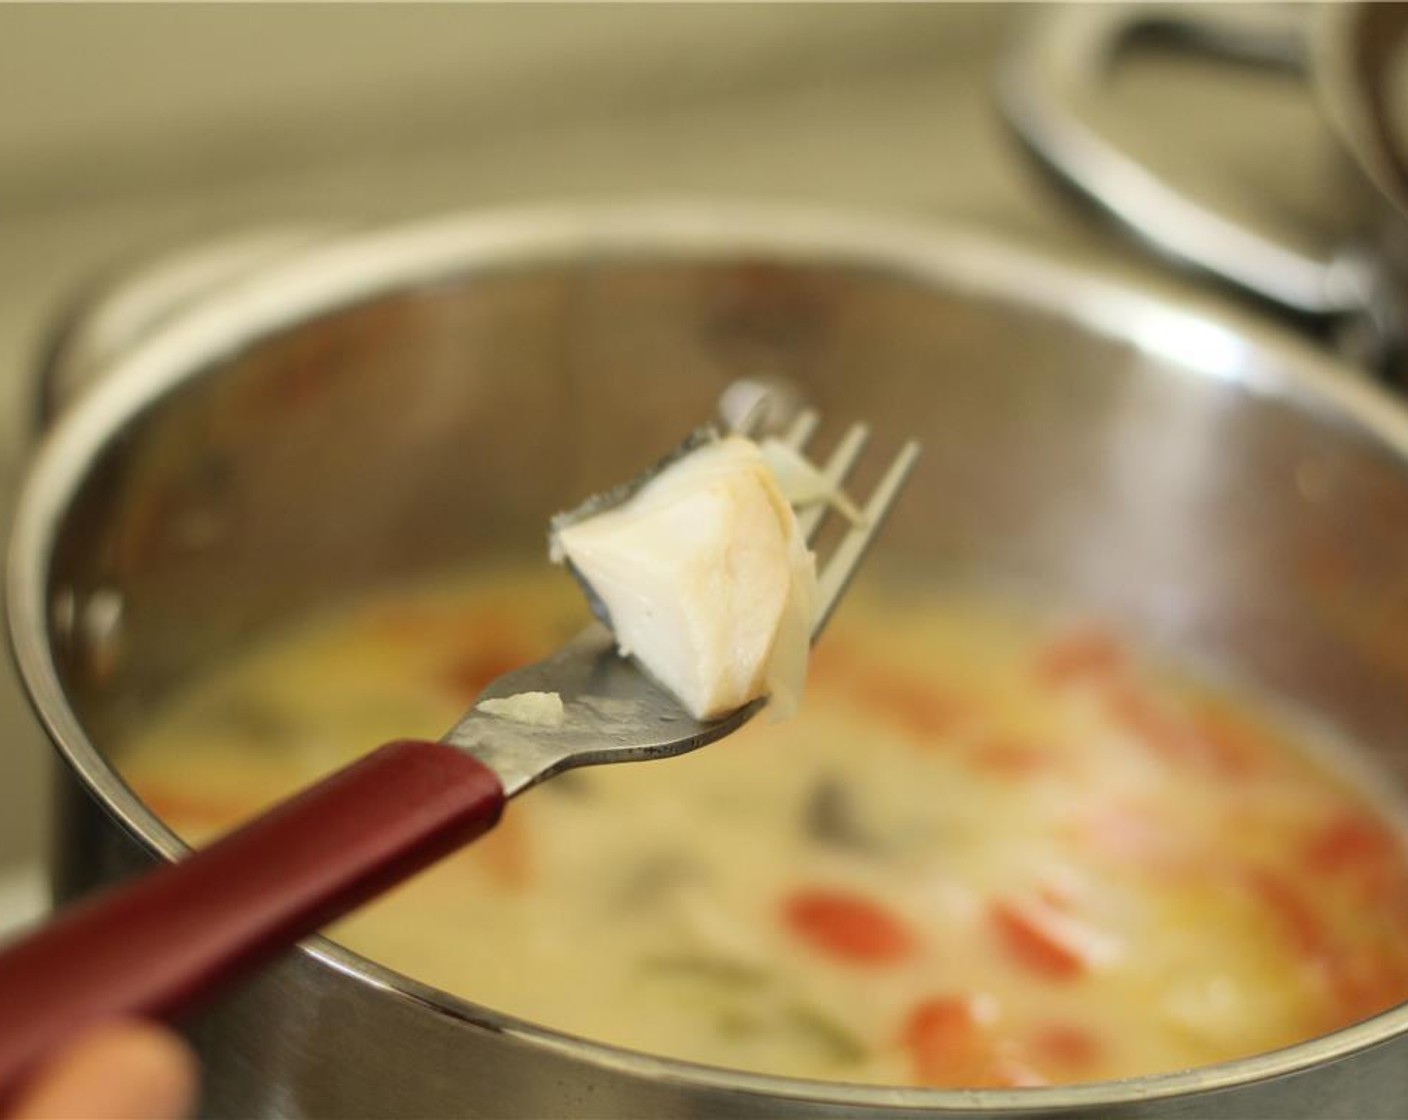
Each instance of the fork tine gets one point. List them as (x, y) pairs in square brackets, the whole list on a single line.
[(803, 426), (843, 562), (836, 471)]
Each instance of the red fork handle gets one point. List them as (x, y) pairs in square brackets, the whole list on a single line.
[(158, 945)]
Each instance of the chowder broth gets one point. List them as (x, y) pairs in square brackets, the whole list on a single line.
[(990, 850)]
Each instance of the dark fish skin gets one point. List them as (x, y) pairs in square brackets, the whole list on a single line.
[(598, 608), (619, 495)]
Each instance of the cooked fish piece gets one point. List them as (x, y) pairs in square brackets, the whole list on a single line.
[(703, 576)]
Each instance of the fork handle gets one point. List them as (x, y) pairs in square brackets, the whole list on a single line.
[(158, 945)]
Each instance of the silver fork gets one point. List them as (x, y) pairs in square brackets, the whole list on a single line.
[(160, 945), (614, 712)]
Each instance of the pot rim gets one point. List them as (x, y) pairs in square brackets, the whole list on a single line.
[(1195, 333)]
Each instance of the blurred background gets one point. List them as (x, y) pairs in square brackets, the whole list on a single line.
[(132, 129)]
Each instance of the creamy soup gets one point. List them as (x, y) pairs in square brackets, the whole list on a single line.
[(991, 849)]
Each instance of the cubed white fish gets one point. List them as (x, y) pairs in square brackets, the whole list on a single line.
[(705, 579)]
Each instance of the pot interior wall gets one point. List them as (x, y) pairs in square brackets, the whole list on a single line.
[(445, 424)]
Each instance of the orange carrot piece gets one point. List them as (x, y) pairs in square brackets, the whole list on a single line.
[(951, 1046), (1090, 654), (947, 1044), (1031, 939), (1144, 717), (848, 927), (1351, 841), (1069, 1047)]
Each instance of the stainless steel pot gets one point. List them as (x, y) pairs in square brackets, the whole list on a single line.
[(391, 402), (1354, 57)]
